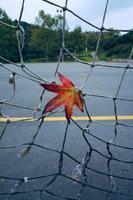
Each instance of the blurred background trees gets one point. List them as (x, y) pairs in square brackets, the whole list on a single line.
[(43, 40)]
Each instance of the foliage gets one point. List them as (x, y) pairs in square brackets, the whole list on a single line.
[(45, 20), (75, 40), (8, 42), (43, 40)]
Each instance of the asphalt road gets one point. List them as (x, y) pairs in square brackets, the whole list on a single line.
[(42, 162)]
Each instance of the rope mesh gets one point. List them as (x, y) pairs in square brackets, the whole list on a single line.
[(78, 174)]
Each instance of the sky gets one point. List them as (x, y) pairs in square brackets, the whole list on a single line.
[(119, 13)]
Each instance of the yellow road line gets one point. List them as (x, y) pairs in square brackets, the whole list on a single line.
[(77, 118)]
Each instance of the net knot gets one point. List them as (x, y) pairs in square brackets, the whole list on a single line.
[(102, 28), (128, 66), (22, 66), (114, 98), (20, 28), (92, 65), (83, 94), (117, 123), (12, 78), (63, 50), (8, 121), (64, 8)]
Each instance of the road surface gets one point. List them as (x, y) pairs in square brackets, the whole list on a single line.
[(45, 163)]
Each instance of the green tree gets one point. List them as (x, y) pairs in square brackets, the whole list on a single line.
[(44, 41), (75, 40), (90, 40), (45, 20), (46, 35), (115, 45), (108, 40), (3, 16), (8, 42)]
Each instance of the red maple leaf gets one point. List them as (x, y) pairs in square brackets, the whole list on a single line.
[(67, 95)]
